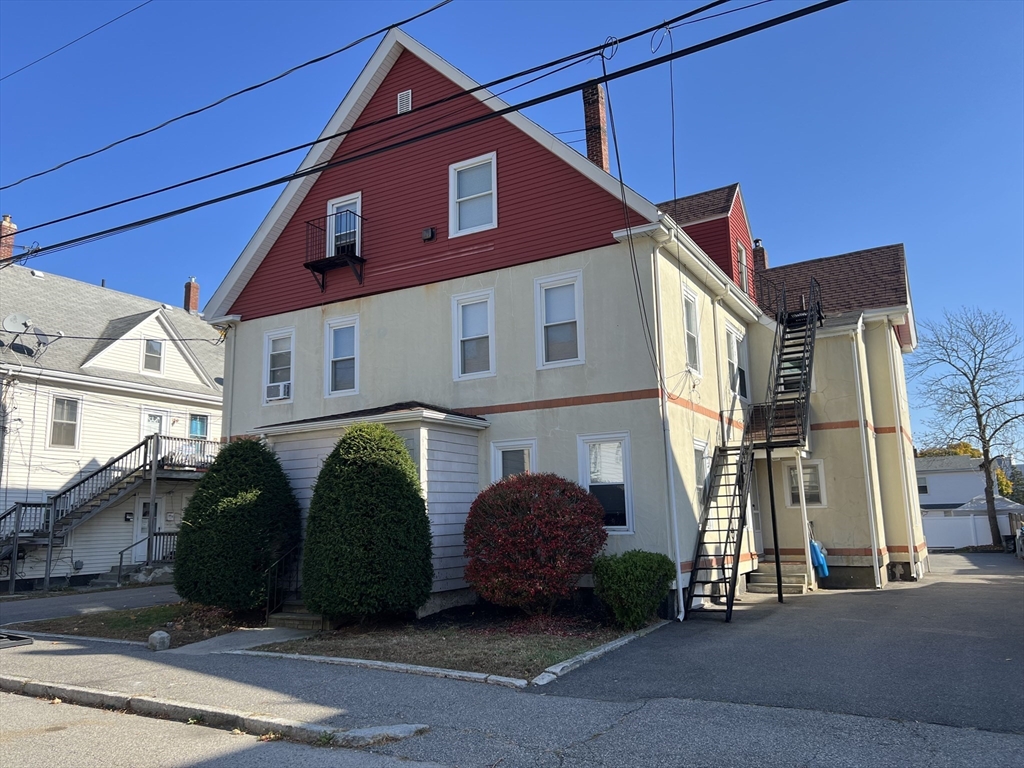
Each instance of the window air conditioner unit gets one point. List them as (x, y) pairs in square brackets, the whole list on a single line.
[(279, 391)]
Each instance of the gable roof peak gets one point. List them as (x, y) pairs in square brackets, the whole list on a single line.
[(709, 204)]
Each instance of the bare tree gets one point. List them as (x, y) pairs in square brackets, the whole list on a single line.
[(969, 368)]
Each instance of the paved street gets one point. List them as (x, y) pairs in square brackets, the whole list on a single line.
[(831, 679), (33, 608)]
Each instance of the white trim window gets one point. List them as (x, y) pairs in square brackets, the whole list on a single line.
[(922, 485), (345, 231), (701, 468), (198, 426), (155, 422), (152, 356), (473, 335), (741, 268), (513, 457), (473, 195), (691, 330), (278, 365), (341, 353), (558, 303), (605, 472), (814, 485), (65, 416), (736, 360)]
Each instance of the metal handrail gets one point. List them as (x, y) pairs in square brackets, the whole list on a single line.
[(275, 594), (120, 557)]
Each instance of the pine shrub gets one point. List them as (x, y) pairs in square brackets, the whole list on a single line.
[(632, 585), (242, 516), (529, 538), (368, 545)]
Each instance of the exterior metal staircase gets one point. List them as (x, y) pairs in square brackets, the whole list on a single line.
[(716, 558)]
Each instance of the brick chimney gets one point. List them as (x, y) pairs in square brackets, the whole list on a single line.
[(760, 257), (192, 296), (596, 126), (7, 230)]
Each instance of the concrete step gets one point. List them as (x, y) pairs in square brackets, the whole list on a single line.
[(769, 578), (770, 589), (294, 606), (308, 621), (767, 566)]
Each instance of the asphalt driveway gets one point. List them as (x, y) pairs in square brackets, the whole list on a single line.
[(35, 608), (948, 650)]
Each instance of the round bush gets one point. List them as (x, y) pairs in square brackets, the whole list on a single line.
[(368, 544), (633, 585), (529, 538), (242, 516)]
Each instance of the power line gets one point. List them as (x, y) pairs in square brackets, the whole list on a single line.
[(691, 50), (578, 56), (66, 45), (220, 101)]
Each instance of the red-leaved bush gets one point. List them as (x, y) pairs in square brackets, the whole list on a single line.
[(529, 538)]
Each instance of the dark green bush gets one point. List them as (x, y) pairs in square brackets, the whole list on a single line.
[(633, 585), (367, 537), (242, 516)]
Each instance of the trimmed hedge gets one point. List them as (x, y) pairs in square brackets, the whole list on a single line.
[(633, 585), (368, 544), (529, 538), (241, 518)]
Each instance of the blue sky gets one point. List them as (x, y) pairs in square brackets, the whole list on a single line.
[(867, 124)]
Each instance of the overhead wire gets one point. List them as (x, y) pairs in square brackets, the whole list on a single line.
[(77, 39), (570, 59), (218, 102), (319, 168)]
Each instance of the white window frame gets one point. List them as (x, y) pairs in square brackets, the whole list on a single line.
[(695, 332), (742, 271), (357, 198), (702, 446), (78, 424), (742, 362), (268, 337), (807, 463), (453, 186), (575, 277), (497, 446), (163, 356), (188, 427), (919, 479), (458, 301), (350, 321), (583, 443)]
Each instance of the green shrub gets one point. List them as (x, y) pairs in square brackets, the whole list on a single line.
[(368, 542), (633, 585), (241, 518)]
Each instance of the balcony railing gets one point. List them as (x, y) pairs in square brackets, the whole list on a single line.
[(334, 241)]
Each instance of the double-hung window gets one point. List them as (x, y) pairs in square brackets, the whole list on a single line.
[(198, 426), (64, 422), (341, 351), (277, 365), (814, 491), (153, 356), (473, 335), (344, 233), (473, 204), (691, 332), (512, 457), (922, 484), (605, 472), (741, 265), (559, 305), (700, 467), (736, 353)]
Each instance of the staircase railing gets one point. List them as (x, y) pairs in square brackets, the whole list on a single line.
[(164, 545), (282, 578), (32, 518), (773, 299), (92, 485)]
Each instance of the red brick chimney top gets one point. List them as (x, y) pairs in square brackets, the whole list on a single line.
[(192, 296), (7, 230), (596, 124)]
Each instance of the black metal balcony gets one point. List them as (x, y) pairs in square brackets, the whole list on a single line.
[(334, 241)]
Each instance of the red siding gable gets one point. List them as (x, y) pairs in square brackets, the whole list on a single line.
[(713, 238), (546, 208), (739, 232)]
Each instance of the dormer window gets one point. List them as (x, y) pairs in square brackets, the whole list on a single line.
[(742, 275), (153, 356), (473, 196)]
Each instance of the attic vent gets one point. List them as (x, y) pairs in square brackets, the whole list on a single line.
[(404, 102)]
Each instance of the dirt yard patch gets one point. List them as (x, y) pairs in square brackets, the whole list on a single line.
[(473, 640), (184, 622)]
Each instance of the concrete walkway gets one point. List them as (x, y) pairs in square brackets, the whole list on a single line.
[(240, 640), (31, 609)]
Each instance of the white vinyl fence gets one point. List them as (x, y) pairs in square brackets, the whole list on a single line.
[(962, 531)]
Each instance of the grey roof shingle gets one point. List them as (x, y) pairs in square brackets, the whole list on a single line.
[(947, 463), (703, 205), (77, 309), (408, 405)]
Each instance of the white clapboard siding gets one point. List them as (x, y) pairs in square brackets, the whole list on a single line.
[(126, 355)]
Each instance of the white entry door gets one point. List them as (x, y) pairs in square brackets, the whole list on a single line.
[(144, 523), (153, 423)]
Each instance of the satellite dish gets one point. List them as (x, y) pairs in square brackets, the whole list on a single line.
[(42, 337), (16, 323)]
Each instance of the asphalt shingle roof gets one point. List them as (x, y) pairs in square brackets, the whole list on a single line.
[(409, 405), (703, 205), (947, 463), (55, 303)]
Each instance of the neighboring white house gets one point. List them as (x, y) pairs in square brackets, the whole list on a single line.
[(947, 482), (87, 376)]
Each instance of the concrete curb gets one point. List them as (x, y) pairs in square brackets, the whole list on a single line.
[(216, 717), (393, 666), (555, 671), (79, 638)]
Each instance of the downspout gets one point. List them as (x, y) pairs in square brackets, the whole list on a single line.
[(670, 460), (227, 398), (855, 339), (897, 411), (808, 565)]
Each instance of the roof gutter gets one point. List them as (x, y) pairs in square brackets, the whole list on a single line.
[(112, 385)]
